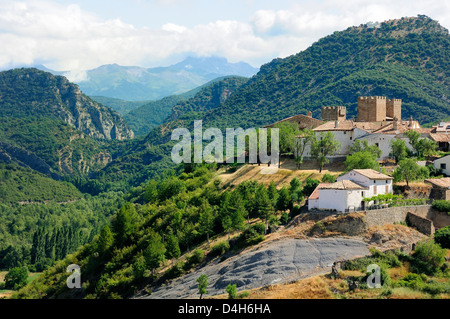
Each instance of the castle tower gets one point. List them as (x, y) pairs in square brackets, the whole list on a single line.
[(334, 113), (394, 108), (371, 108)]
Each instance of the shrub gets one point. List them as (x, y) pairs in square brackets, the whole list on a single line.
[(16, 278), (428, 257), (176, 270), (442, 205), (249, 237), (196, 258), (231, 290), (328, 178), (219, 248), (260, 228), (411, 280), (284, 218), (442, 237)]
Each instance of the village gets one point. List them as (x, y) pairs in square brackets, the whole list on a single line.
[(378, 123)]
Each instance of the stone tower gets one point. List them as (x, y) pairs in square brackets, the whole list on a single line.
[(334, 113), (371, 108), (394, 108)]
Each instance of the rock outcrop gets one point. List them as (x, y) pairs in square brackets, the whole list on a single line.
[(29, 91)]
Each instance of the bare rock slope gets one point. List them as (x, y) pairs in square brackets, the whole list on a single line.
[(274, 262)]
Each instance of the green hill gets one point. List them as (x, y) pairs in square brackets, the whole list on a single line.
[(18, 184), (405, 59), (150, 115)]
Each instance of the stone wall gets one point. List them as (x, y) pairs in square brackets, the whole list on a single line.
[(424, 225)]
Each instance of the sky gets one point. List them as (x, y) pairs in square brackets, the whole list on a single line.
[(77, 35)]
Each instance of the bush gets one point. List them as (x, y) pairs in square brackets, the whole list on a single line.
[(284, 218), (196, 258), (411, 280), (176, 270), (442, 237), (16, 278), (442, 205), (219, 248), (232, 292), (328, 178), (249, 237), (428, 257), (260, 228)]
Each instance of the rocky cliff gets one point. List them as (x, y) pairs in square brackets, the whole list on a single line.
[(29, 91)]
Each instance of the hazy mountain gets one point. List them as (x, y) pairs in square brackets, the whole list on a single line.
[(134, 83)]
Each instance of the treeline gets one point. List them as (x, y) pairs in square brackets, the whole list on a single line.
[(25, 229)]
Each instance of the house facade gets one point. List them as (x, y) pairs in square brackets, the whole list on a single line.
[(443, 164), (348, 193)]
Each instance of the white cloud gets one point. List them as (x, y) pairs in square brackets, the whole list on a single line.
[(66, 37)]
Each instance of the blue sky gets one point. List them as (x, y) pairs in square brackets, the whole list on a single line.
[(78, 35)]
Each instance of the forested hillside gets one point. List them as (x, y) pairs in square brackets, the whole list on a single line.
[(405, 59)]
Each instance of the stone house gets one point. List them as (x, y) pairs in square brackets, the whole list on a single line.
[(440, 188), (348, 192)]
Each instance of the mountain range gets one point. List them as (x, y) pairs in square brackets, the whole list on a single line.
[(134, 83), (48, 125)]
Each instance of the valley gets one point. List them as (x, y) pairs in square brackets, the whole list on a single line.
[(87, 178)]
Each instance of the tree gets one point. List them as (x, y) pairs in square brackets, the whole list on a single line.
[(422, 146), (232, 291), (408, 170), (363, 146), (288, 132), (273, 192), (325, 146), (328, 178), (284, 199), (123, 225), (310, 186), (16, 278), (106, 239), (362, 160), (399, 149), (202, 284), (263, 204), (307, 137), (206, 219), (154, 254), (172, 247), (151, 192)]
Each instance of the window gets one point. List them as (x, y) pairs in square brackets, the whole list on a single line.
[(443, 166)]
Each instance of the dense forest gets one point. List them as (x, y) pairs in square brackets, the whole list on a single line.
[(162, 221)]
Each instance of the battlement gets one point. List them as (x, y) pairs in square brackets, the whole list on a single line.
[(334, 113), (370, 98), (378, 108)]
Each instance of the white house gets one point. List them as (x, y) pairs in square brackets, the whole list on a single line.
[(443, 164), (345, 132), (348, 192)]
